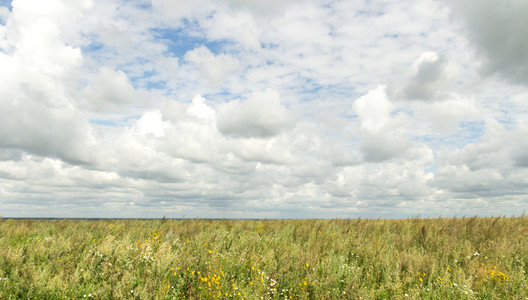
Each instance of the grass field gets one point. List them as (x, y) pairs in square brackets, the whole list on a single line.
[(461, 258)]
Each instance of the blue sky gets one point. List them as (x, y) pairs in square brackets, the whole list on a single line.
[(251, 109)]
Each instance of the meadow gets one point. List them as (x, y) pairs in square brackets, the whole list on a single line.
[(443, 258)]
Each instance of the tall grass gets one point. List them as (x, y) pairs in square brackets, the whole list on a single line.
[(461, 258)]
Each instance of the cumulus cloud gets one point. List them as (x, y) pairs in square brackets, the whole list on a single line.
[(175, 11), (498, 148), (519, 153), (271, 8), (56, 132), (262, 115), (445, 116), (431, 76), (235, 26), (499, 32), (194, 137), (383, 134), (37, 114), (110, 91), (35, 25), (494, 167), (150, 123), (4, 13), (260, 109), (215, 68)]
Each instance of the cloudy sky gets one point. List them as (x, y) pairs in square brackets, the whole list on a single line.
[(263, 109)]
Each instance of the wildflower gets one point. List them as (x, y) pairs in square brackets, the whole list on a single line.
[(132, 291)]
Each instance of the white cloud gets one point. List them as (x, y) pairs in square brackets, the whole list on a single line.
[(4, 13), (234, 26), (262, 115), (493, 168), (268, 9), (445, 116), (431, 77), (383, 134), (37, 114), (175, 11), (499, 32), (150, 123), (215, 68), (110, 91), (194, 137), (261, 109), (36, 25), (38, 129), (498, 148)]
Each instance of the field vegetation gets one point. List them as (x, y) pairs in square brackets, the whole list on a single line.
[(458, 258)]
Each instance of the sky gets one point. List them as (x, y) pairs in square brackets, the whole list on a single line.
[(263, 109)]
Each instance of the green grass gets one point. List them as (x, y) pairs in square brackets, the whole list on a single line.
[(462, 258)]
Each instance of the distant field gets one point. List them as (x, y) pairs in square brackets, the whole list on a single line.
[(462, 258)]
